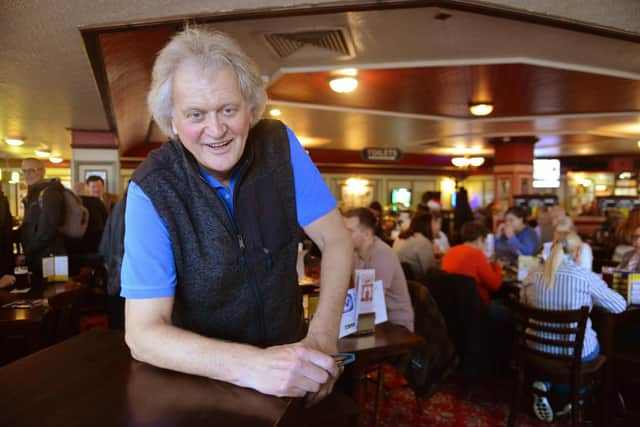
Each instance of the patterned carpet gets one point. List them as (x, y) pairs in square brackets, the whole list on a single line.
[(455, 406)]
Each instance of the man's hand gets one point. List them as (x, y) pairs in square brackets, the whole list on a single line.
[(292, 370), (327, 346), (7, 280)]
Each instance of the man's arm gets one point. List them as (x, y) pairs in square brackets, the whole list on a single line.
[(288, 370), (329, 233)]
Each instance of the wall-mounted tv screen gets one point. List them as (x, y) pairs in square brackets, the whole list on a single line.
[(546, 173), (401, 196)]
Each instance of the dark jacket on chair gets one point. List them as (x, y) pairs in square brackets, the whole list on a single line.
[(466, 317), (435, 360)]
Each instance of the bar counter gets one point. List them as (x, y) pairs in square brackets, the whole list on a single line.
[(91, 380)]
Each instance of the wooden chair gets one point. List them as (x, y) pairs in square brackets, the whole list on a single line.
[(63, 320), (563, 329)]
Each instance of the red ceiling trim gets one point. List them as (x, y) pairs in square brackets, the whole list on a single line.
[(93, 139)]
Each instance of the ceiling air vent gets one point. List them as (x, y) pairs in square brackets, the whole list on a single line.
[(284, 44)]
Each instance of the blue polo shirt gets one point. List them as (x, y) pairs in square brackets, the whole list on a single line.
[(148, 268)]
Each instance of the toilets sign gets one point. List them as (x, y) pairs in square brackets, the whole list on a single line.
[(381, 154)]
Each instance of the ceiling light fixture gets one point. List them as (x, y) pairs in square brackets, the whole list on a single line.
[(16, 142), (42, 153), (55, 159), (343, 84), (481, 108), (275, 112), (465, 162)]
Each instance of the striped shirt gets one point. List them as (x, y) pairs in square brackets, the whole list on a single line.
[(574, 287)]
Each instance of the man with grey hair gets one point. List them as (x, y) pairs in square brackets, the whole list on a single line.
[(212, 228), (43, 214)]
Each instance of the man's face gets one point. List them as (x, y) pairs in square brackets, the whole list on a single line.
[(359, 234), (96, 188), (210, 116), (32, 172)]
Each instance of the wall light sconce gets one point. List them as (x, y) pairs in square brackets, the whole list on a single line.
[(343, 84), (481, 108), (15, 177), (275, 112), (356, 186)]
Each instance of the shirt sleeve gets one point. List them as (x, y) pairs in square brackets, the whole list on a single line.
[(148, 267), (525, 243), (490, 275), (604, 297), (313, 197)]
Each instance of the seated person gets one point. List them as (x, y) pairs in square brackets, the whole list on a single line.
[(563, 285), (440, 240), (544, 227), (371, 252), (624, 235), (413, 246), (469, 259), (631, 260), (565, 225), (514, 237)]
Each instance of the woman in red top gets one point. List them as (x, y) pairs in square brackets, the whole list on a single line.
[(469, 259)]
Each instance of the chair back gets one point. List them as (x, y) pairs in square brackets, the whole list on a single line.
[(64, 319), (536, 329), (408, 273)]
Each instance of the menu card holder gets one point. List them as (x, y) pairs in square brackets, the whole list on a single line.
[(55, 268), (628, 285)]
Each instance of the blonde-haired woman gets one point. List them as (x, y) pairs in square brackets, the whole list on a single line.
[(563, 285)]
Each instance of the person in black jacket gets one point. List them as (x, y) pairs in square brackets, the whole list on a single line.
[(43, 214), (6, 243), (111, 250)]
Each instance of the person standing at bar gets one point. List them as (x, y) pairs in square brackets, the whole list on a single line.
[(212, 229)]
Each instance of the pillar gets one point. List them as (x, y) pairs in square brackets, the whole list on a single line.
[(96, 153), (512, 168)]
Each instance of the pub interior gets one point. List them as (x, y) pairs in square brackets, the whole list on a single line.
[(493, 120)]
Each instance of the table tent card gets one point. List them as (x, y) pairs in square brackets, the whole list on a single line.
[(55, 268), (365, 298), (525, 265), (628, 285)]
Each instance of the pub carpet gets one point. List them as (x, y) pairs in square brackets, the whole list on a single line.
[(454, 405)]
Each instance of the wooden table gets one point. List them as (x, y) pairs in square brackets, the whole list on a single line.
[(21, 328), (91, 380), (388, 343)]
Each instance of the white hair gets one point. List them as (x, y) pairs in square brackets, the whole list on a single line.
[(211, 49)]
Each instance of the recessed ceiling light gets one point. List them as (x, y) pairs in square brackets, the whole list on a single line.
[(42, 153), (275, 112), (54, 159), (343, 84), (14, 141), (481, 108)]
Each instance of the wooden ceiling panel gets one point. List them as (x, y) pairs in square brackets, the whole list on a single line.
[(128, 58), (514, 89)]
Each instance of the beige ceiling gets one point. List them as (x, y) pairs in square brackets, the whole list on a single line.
[(47, 85)]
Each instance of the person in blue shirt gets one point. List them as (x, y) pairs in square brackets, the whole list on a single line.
[(212, 225), (515, 237)]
